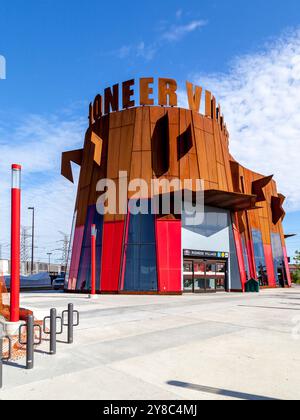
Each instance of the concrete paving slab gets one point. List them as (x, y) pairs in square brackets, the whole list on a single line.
[(224, 346)]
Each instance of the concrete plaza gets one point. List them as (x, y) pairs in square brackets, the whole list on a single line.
[(224, 346)]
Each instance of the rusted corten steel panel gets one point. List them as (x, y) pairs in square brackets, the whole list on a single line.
[(166, 143), (150, 142)]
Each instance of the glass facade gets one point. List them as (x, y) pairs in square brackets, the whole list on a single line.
[(140, 254), (70, 250), (260, 261), (84, 273), (278, 258), (246, 261), (202, 276)]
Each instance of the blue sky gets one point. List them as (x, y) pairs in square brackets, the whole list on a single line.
[(62, 52), (59, 54)]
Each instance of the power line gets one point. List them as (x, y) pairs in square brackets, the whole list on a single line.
[(65, 248)]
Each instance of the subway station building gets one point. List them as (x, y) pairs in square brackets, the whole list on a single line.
[(241, 235)]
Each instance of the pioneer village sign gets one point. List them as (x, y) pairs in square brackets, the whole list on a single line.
[(167, 96)]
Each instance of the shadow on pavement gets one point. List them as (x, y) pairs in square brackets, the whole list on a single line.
[(13, 364), (269, 307), (218, 391)]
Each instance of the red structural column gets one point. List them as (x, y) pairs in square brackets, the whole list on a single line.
[(239, 251), (169, 255), (93, 262), (113, 235), (15, 244)]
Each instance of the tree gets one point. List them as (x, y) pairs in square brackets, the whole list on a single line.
[(296, 274), (297, 259)]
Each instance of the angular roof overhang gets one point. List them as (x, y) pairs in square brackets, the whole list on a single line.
[(222, 199), (229, 200), (290, 235)]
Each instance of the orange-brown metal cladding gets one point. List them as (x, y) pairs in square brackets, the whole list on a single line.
[(168, 142)]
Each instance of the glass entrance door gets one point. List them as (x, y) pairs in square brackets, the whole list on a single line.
[(188, 276), (199, 276), (221, 276), (204, 276)]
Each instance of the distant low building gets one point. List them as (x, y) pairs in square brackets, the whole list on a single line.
[(4, 267), (38, 267)]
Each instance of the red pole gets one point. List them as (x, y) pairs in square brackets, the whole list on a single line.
[(93, 262), (15, 243)]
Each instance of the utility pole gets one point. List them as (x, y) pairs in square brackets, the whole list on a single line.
[(65, 249), (32, 239)]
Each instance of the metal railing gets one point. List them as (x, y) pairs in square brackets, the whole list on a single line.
[(70, 324), (30, 341), (4, 359), (52, 326)]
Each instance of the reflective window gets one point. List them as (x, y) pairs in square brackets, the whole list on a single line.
[(211, 284), (260, 261), (199, 268), (220, 283), (246, 261), (188, 276), (140, 254), (188, 267), (84, 272), (221, 269), (215, 221), (188, 284), (210, 269), (204, 276), (200, 284), (278, 258)]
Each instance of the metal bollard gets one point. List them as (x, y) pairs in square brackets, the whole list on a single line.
[(1, 363), (30, 342), (70, 323), (53, 329), (2, 359)]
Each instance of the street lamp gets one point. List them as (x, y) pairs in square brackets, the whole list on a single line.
[(32, 242), (49, 256), (15, 244)]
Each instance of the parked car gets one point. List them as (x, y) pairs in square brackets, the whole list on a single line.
[(58, 283)]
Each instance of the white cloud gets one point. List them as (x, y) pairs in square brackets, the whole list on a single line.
[(179, 13), (140, 50), (37, 143), (167, 33), (260, 97), (177, 32), (2, 67)]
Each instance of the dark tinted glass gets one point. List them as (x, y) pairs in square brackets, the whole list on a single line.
[(246, 261), (140, 254), (134, 229), (148, 274), (132, 268), (278, 258), (147, 229), (84, 272), (259, 255)]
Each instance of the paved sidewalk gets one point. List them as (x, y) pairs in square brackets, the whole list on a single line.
[(168, 347)]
